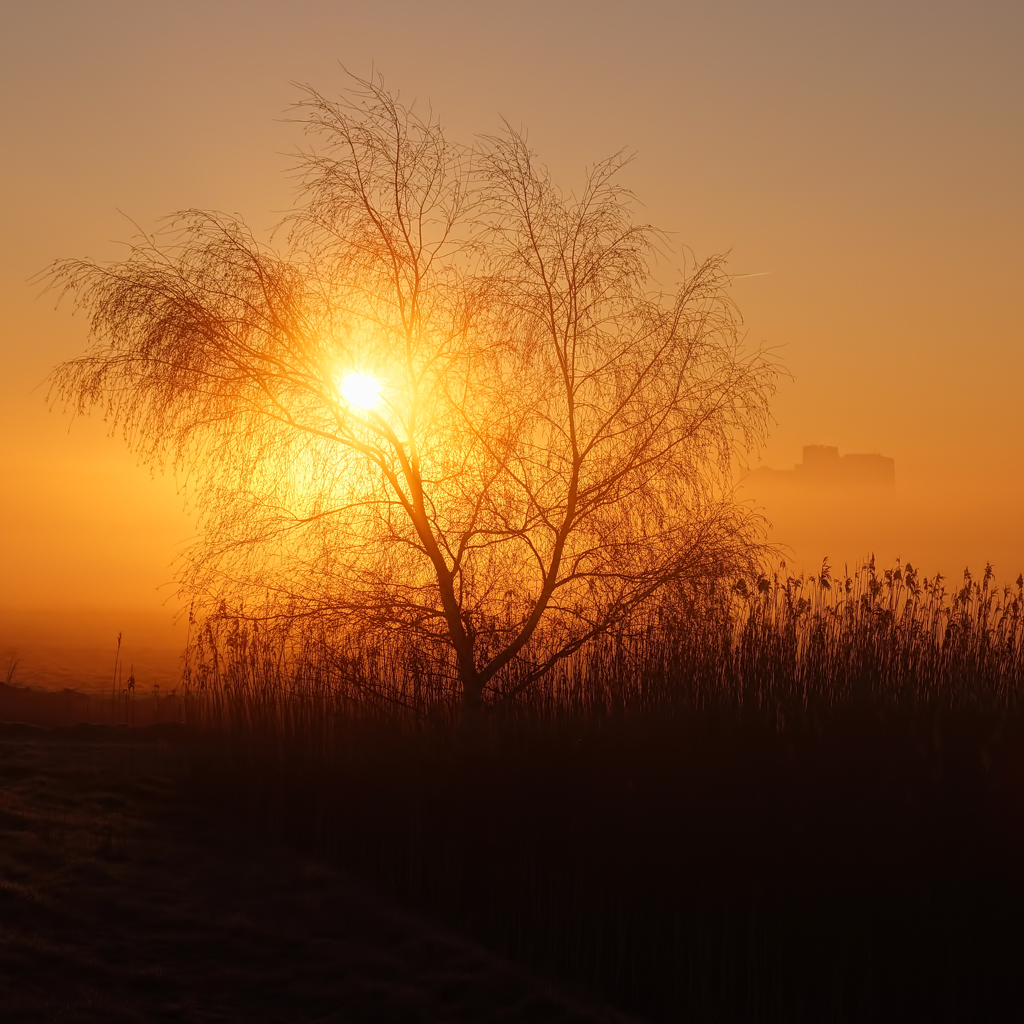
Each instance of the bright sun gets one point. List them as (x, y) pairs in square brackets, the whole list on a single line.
[(361, 390)]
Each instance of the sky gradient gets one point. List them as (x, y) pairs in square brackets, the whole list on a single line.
[(862, 162)]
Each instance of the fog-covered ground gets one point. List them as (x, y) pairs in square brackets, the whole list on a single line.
[(76, 649)]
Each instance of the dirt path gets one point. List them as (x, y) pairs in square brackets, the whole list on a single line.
[(117, 904)]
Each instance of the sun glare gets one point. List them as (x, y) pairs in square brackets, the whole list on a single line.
[(361, 390)]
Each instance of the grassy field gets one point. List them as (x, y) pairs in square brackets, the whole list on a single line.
[(795, 800), (851, 868)]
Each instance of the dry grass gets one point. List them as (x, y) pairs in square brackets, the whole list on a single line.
[(795, 799), (783, 645)]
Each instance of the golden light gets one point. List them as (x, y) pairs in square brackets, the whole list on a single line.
[(361, 390)]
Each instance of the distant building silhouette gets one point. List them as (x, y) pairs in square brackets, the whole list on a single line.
[(823, 466), (823, 461)]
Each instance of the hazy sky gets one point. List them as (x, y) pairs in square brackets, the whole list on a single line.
[(864, 159)]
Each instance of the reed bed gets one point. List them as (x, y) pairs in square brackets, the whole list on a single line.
[(774, 644), (785, 799)]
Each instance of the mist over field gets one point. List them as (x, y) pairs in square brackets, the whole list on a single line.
[(940, 525), (54, 648)]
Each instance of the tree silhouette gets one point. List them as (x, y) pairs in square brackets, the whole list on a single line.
[(453, 406)]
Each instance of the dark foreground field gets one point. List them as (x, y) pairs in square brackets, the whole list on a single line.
[(859, 863), (119, 901), (862, 865)]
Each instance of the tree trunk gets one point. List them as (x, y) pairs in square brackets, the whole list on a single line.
[(471, 711)]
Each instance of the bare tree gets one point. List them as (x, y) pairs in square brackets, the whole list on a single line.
[(455, 406)]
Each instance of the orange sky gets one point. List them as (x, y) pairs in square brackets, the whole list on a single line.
[(864, 159)]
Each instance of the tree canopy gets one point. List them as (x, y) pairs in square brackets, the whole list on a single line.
[(451, 404)]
